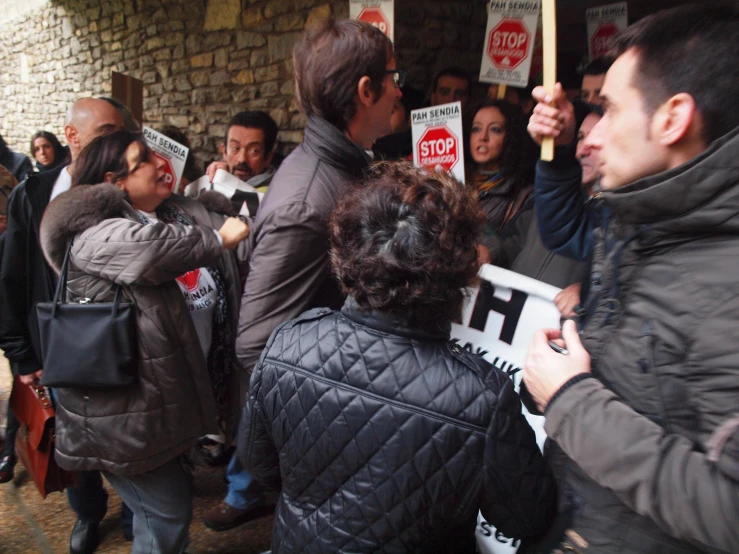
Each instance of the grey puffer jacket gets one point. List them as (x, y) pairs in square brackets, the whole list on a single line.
[(135, 429), (385, 438), (652, 468)]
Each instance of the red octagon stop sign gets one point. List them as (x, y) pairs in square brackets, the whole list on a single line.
[(509, 43), (438, 146), (600, 42), (376, 18), (169, 175)]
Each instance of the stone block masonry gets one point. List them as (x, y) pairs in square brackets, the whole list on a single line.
[(201, 60)]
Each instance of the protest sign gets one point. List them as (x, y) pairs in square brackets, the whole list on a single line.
[(604, 22), (509, 41), (378, 13), (498, 323), (172, 153), (437, 138), (243, 196)]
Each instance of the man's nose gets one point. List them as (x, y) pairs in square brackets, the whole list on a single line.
[(595, 136), (243, 155)]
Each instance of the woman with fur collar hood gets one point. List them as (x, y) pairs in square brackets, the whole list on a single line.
[(173, 259)]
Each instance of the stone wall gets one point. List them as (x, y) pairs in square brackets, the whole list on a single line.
[(201, 61)]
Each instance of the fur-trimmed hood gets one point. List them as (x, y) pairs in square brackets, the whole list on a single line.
[(85, 206)]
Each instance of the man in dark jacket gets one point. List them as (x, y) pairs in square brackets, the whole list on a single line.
[(26, 279), (18, 164), (645, 405), (348, 101)]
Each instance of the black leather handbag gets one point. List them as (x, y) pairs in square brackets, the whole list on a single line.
[(87, 345)]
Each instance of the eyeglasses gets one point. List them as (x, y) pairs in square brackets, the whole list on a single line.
[(398, 76)]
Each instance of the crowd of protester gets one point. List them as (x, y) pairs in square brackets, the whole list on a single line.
[(305, 346)]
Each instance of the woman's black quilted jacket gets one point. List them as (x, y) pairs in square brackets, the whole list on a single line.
[(388, 439)]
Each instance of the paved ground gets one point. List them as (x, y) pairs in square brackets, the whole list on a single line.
[(29, 524)]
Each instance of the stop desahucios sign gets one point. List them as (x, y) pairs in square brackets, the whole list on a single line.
[(438, 147), (600, 42), (376, 18), (509, 43)]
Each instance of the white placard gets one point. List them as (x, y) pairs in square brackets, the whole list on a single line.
[(438, 142), (172, 152), (378, 13), (499, 322), (245, 197), (605, 22), (509, 41)]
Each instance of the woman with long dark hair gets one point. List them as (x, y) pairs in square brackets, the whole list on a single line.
[(171, 257), (47, 151), (503, 158)]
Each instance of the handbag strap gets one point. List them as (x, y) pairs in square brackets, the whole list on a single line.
[(60, 295)]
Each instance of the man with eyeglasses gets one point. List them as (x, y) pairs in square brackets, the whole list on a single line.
[(347, 84)]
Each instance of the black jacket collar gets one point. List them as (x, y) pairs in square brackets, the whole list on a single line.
[(333, 147), (391, 324)]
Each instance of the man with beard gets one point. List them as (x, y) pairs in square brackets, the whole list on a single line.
[(248, 149)]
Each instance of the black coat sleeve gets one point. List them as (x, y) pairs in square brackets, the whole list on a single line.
[(255, 446), (519, 495), (15, 338)]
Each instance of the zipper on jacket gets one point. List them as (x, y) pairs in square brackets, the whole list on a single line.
[(644, 364)]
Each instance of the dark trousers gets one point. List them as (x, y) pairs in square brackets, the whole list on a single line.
[(11, 430)]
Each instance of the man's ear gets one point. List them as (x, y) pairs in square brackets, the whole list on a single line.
[(222, 148), (677, 120), (70, 133), (268, 158), (365, 92)]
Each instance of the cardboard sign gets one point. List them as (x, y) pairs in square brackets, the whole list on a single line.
[(498, 323), (509, 41), (605, 22), (243, 196), (378, 13), (438, 142), (172, 153)]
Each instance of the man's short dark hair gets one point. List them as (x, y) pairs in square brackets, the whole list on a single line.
[(691, 49), (404, 242), (256, 119), (330, 60), (457, 72), (599, 66)]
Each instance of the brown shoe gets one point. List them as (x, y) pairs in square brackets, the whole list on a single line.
[(224, 516)]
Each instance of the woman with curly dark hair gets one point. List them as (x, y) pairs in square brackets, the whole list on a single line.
[(503, 158), (381, 434)]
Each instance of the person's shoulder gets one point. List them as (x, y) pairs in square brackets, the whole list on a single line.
[(490, 377)]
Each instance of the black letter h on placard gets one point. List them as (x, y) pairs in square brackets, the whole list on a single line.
[(510, 310)]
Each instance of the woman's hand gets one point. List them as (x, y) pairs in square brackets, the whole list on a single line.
[(232, 232)]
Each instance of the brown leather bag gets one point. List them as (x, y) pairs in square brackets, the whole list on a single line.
[(34, 443)]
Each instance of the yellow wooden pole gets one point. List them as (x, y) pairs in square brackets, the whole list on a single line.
[(501, 91), (549, 44)]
